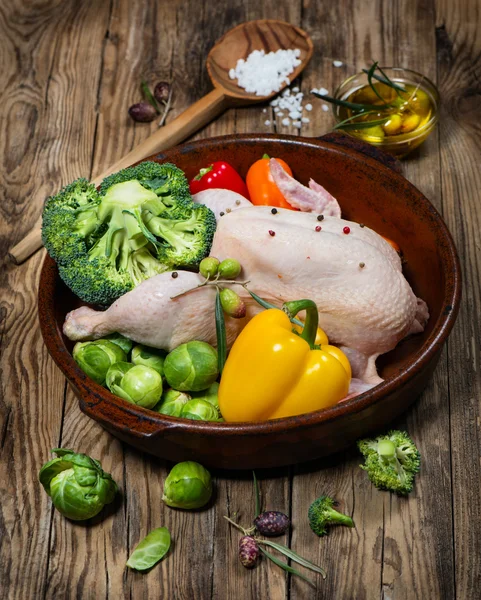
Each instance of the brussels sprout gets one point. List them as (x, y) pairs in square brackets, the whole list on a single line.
[(199, 410), (209, 395), (78, 486), (120, 340), (149, 357), (115, 374), (188, 486), (172, 403), (140, 385), (95, 358), (191, 367)]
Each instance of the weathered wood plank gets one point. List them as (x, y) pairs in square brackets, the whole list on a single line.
[(459, 74), (48, 132)]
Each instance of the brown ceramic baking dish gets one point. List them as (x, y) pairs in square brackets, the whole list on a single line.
[(369, 192)]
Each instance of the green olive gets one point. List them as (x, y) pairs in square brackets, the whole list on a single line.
[(393, 126), (229, 268), (410, 123), (232, 304), (209, 266)]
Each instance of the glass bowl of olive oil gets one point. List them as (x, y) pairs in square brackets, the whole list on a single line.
[(397, 116)]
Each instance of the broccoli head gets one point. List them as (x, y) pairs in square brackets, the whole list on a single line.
[(391, 461), (322, 514), (140, 223)]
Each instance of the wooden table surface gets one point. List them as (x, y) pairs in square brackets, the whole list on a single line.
[(69, 71)]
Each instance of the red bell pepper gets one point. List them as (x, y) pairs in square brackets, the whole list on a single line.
[(219, 175)]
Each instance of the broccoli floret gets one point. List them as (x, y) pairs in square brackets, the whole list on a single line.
[(167, 181), (141, 223), (322, 514), (186, 240), (392, 461)]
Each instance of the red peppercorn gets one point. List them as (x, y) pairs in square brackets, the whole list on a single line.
[(318, 228), (272, 233), (347, 230)]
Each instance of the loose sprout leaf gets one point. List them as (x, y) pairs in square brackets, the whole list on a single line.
[(221, 335), (295, 557), (389, 81), (257, 495), (285, 566), (150, 550)]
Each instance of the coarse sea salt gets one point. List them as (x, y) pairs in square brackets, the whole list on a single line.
[(262, 74)]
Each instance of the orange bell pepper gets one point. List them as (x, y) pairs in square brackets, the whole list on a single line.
[(262, 189)]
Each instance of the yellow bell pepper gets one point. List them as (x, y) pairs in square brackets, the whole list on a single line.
[(271, 372)]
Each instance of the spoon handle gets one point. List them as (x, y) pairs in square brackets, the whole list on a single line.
[(187, 123)]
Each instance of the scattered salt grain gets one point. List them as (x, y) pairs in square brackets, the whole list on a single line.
[(297, 124), (264, 110), (305, 120), (322, 91), (279, 114), (295, 89), (325, 108), (337, 63), (286, 122), (295, 114), (262, 73), (308, 107), (267, 123)]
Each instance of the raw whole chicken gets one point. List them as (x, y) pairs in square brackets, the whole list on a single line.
[(365, 304)]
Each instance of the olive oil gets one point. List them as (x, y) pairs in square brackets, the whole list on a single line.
[(397, 115)]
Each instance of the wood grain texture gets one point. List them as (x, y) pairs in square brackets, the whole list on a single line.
[(69, 71)]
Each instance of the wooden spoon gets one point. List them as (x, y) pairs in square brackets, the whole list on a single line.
[(265, 34)]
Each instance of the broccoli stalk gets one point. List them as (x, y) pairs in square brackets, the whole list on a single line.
[(392, 461), (141, 223), (322, 514)]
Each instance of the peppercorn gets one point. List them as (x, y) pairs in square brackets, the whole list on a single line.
[(346, 230), (272, 233), (175, 274), (320, 217), (318, 228), (274, 211)]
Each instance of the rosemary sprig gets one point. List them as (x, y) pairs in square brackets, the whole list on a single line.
[(362, 124), (285, 566), (385, 79), (294, 556), (345, 103), (373, 87), (220, 331), (148, 96), (257, 495), (167, 107)]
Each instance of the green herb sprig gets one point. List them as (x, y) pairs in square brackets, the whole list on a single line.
[(284, 550), (366, 109)]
